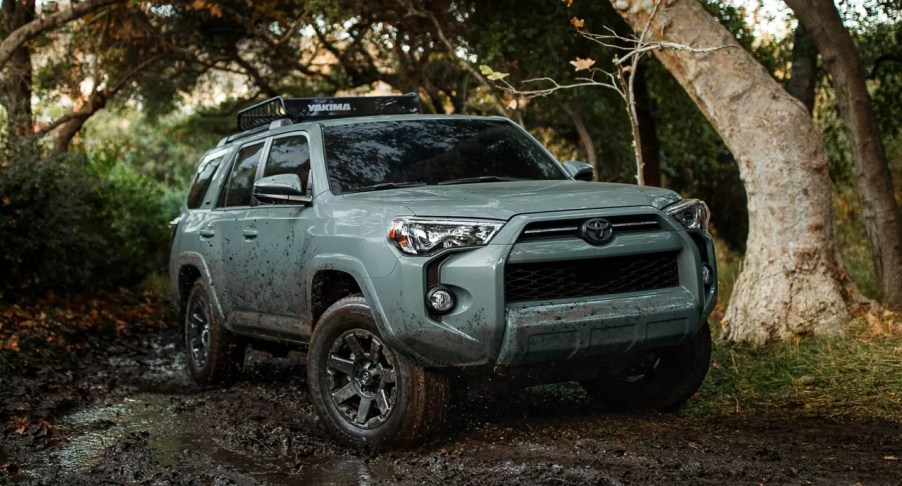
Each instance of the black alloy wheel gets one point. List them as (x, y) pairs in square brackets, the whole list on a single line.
[(367, 394), (215, 355)]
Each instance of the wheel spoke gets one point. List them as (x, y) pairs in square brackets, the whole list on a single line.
[(341, 365), (344, 393), (375, 350), (382, 402), (355, 346), (363, 410), (388, 375)]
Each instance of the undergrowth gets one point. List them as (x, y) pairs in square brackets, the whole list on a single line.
[(858, 375)]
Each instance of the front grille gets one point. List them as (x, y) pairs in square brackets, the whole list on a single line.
[(592, 277), (569, 228)]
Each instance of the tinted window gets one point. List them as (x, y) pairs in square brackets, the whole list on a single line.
[(202, 181), (432, 151), (241, 182), (289, 155)]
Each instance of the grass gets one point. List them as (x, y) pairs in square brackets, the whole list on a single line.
[(859, 375)]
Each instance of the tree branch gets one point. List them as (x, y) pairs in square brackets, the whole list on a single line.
[(44, 24)]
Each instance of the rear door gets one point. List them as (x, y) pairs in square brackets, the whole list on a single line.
[(235, 235)]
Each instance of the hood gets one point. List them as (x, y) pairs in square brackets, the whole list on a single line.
[(503, 200)]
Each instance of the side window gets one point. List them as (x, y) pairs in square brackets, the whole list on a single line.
[(289, 155), (241, 181), (202, 181)]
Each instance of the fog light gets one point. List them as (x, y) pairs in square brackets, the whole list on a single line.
[(440, 299), (706, 274)]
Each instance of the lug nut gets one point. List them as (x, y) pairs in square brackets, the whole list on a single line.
[(706, 274)]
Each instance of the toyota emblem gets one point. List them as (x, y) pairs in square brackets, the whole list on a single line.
[(596, 231)]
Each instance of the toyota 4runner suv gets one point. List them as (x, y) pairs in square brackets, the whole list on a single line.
[(404, 252)]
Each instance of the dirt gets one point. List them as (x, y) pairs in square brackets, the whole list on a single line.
[(126, 413)]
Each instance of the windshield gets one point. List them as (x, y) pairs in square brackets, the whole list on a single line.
[(386, 155)]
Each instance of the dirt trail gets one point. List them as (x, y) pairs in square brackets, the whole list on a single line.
[(139, 420)]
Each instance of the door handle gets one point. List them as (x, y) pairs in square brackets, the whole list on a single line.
[(206, 232), (249, 233)]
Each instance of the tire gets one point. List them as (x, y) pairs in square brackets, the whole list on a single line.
[(373, 398), (664, 381), (215, 356)]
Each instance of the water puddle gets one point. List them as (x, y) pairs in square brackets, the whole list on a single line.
[(177, 444)]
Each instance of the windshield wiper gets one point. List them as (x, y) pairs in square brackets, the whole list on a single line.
[(387, 185), (470, 180)]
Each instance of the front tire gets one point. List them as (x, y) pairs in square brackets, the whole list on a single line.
[(663, 381), (366, 394), (215, 356)]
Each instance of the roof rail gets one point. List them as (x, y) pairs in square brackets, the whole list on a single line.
[(307, 109)]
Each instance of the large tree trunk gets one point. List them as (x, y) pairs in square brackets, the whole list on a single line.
[(804, 68), (16, 77), (788, 285), (881, 215)]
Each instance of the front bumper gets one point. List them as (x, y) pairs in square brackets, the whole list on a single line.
[(484, 329)]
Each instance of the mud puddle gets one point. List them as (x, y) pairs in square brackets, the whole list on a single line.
[(177, 442)]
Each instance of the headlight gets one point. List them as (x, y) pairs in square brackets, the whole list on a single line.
[(416, 236), (691, 213)]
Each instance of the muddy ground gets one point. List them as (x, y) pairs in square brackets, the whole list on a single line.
[(124, 413)]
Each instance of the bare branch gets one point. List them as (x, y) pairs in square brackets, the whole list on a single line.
[(634, 47)]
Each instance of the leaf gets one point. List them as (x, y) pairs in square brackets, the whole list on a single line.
[(582, 64), (12, 344), (512, 105), (568, 2), (496, 76), (578, 23), (485, 70)]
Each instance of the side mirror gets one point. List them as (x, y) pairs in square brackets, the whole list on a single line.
[(580, 171), (280, 189)]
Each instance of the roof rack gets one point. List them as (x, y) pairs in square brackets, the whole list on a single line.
[(307, 109)]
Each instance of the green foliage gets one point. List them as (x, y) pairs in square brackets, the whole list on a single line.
[(74, 223), (852, 239), (48, 237)]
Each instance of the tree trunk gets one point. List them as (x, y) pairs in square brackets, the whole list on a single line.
[(16, 78), (804, 68), (585, 139), (881, 215), (648, 131), (788, 285)]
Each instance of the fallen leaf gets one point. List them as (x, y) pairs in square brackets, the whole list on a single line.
[(12, 343), (890, 458), (578, 23), (582, 64)]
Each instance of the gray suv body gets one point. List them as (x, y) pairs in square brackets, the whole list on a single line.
[(430, 248)]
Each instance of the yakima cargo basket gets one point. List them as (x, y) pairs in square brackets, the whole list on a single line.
[(305, 109)]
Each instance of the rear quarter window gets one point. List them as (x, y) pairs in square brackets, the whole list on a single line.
[(202, 181)]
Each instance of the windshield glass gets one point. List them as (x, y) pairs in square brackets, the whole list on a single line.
[(402, 153)]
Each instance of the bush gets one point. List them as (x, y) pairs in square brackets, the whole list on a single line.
[(69, 223)]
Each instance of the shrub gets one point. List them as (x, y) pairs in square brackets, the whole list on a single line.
[(69, 223)]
